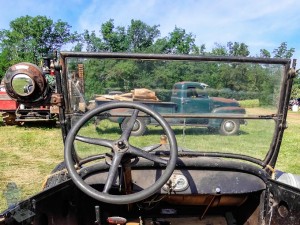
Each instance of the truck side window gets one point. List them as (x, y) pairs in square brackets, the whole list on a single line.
[(175, 91), (191, 92), (201, 93)]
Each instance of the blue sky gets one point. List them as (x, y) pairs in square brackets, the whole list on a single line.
[(257, 23)]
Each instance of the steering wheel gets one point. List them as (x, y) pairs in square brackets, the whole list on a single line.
[(120, 148)]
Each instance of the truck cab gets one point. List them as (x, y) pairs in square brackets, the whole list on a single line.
[(192, 98)]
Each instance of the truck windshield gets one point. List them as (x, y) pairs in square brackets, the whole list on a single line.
[(223, 107)]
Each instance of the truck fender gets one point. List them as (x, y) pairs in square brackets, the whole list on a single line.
[(227, 126), (229, 109)]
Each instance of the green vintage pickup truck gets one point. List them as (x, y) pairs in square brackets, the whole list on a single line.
[(189, 105)]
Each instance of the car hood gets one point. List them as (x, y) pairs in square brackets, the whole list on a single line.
[(224, 101)]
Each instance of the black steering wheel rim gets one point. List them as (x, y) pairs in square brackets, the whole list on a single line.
[(129, 198)]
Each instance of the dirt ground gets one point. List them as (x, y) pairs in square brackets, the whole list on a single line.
[(293, 117)]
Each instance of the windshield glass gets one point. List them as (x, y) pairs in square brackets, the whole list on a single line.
[(212, 106)]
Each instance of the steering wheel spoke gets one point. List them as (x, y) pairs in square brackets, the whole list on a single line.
[(151, 148), (147, 155), (116, 161), (129, 125), (95, 141)]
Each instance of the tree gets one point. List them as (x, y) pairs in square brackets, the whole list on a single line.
[(238, 49), (265, 53), (4, 63), (93, 43), (283, 52), (115, 39), (141, 36), (137, 37), (296, 87), (159, 46), (179, 42), (219, 50), (31, 37), (231, 49)]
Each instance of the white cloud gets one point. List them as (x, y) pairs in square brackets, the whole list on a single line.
[(219, 20), (259, 24)]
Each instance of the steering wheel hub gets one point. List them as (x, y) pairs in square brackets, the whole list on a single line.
[(121, 146)]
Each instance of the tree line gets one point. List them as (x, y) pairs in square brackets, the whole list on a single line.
[(31, 38)]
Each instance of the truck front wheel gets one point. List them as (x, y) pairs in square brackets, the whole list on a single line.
[(139, 127), (229, 127)]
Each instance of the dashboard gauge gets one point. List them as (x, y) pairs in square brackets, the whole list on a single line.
[(177, 182)]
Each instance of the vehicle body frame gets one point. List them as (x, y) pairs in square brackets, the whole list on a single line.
[(161, 183)]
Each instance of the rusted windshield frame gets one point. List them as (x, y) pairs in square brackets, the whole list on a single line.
[(280, 117)]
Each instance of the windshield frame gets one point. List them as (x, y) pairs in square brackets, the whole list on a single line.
[(280, 117)]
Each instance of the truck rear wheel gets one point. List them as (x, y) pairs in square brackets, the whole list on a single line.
[(139, 127), (229, 127)]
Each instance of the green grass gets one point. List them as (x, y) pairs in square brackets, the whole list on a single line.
[(249, 103), (259, 132), (289, 156), (28, 154)]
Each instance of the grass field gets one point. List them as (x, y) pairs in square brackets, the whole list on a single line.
[(28, 154)]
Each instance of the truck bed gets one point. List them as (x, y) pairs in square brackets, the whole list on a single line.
[(161, 107)]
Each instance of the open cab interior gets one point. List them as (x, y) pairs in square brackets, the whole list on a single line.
[(134, 154)]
